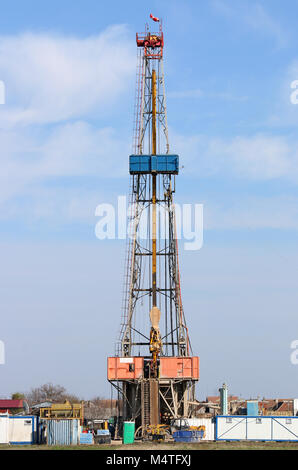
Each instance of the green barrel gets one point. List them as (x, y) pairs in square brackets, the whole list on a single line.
[(128, 432)]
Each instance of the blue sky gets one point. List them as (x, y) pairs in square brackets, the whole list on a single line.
[(66, 133)]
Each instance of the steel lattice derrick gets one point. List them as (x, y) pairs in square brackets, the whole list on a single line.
[(153, 370), (164, 293)]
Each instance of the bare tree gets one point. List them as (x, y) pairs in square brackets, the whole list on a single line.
[(101, 408), (50, 392)]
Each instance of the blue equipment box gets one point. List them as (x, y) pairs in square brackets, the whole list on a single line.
[(86, 438), (156, 164), (188, 436)]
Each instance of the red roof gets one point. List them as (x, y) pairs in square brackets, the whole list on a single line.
[(216, 399), (7, 404)]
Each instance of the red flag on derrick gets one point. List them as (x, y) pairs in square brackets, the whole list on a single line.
[(153, 17)]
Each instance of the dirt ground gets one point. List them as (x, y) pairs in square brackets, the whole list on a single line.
[(116, 445)]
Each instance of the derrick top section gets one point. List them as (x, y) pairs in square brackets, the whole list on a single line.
[(152, 43)]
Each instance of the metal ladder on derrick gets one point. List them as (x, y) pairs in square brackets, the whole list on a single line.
[(145, 391)]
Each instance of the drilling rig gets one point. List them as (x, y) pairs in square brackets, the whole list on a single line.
[(153, 369)]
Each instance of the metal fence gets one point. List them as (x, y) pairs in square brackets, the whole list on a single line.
[(63, 432)]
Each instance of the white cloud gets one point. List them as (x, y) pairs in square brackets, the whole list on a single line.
[(80, 149), (63, 81), (258, 157), (71, 149), (278, 212), (54, 85), (55, 205), (50, 78), (255, 159)]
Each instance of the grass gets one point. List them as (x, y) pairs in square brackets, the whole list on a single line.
[(167, 446)]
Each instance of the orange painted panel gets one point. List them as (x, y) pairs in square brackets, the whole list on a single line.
[(124, 368), (179, 367)]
